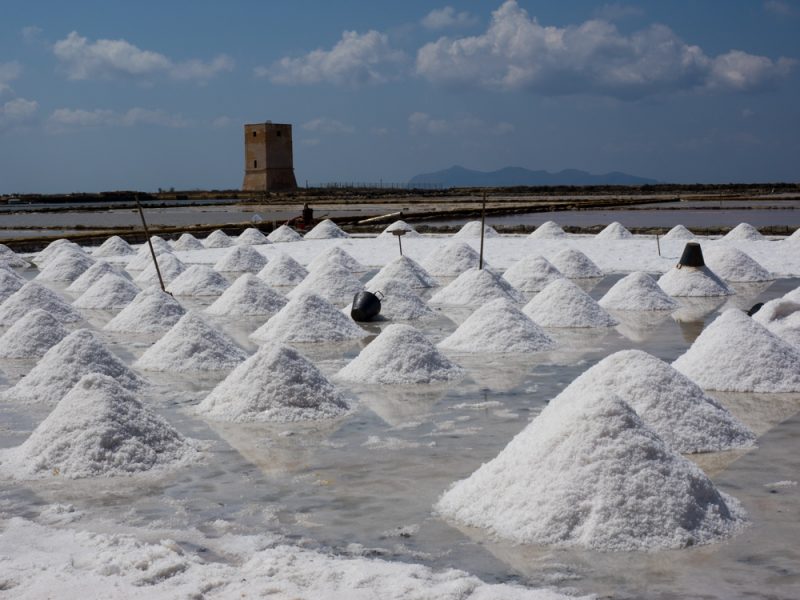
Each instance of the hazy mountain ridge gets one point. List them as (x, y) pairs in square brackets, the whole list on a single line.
[(458, 176)]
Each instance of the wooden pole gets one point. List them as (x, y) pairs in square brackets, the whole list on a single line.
[(658, 245), (483, 226), (149, 243)]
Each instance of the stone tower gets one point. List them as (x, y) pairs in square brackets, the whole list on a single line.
[(268, 163)]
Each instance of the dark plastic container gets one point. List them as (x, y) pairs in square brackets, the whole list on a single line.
[(366, 306), (692, 256)]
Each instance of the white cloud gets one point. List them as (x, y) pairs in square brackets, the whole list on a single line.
[(17, 112), (423, 123), (448, 18), (325, 125), (63, 119), (738, 70), (31, 34), (8, 72)]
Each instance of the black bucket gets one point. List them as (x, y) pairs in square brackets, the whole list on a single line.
[(692, 256), (366, 306)]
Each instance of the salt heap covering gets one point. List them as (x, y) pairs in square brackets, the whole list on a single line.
[(252, 237), (10, 260), (241, 259), (32, 335), (144, 258), (31, 296), (451, 259), (574, 264), (400, 354), (284, 233), (637, 291), (614, 231), (472, 229), (112, 291), (332, 281), (781, 317), (276, 384), (402, 270), (743, 231), (679, 232), (247, 296), (399, 225), (170, 268), (338, 256), (325, 230), (498, 327), (736, 354), (94, 274), (475, 287), (399, 302), (308, 318), (187, 242), (113, 246), (282, 271), (158, 243), (795, 237), (10, 282), (547, 231), (192, 346), (564, 304), (99, 429), (65, 266), (734, 265), (63, 365), (587, 472), (218, 239), (793, 295), (693, 282), (151, 311), (52, 248), (531, 273)]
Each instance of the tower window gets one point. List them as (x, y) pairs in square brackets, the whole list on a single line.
[(278, 133), (254, 134), (255, 164)]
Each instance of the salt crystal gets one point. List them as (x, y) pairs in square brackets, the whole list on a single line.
[(574, 264), (169, 267), (151, 311), (781, 317), (682, 281), (282, 270), (472, 229), (65, 266), (637, 291), (531, 273), (614, 231), (32, 335), (113, 246), (547, 231), (475, 287), (338, 256), (679, 232), (252, 237), (94, 274), (32, 295), (324, 230), (402, 270), (451, 259), (187, 242), (218, 239), (10, 282), (247, 296), (284, 233), (332, 281), (198, 280), (9, 260), (399, 225), (564, 304), (743, 231), (734, 265), (110, 292)]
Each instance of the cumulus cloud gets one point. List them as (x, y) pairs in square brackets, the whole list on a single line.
[(448, 18), (324, 125), (17, 112), (517, 53), (423, 123), (63, 119), (9, 71)]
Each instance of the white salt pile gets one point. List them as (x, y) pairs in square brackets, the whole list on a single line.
[(498, 327), (94, 274), (736, 354), (144, 258), (734, 265), (284, 233), (65, 265), (42, 256), (326, 229), (247, 296), (475, 287), (587, 472), (399, 225), (564, 304), (682, 281), (9, 260), (338, 256), (99, 429), (113, 246), (308, 318), (282, 271), (451, 259), (151, 311), (31, 296), (574, 264), (637, 291), (793, 295), (743, 231), (402, 270), (547, 231), (158, 243), (192, 346), (531, 273), (10, 282), (62, 366), (111, 292), (218, 239), (32, 335), (252, 237), (276, 384), (332, 281), (679, 232), (168, 265), (187, 242), (399, 302), (241, 259), (614, 231), (781, 317), (472, 229), (795, 237), (400, 354)]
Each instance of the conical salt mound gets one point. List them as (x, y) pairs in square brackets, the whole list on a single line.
[(793, 295), (78, 354), (332, 281), (10, 282), (187, 242), (734, 265), (472, 229), (10, 260), (587, 472), (32, 335), (338, 256), (284, 233), (241, 259), (65, 266), (32, 295), (282, 271), (547, 231), (475, 287), (614, 231), (113, 246), (795, 237), (682, 281), (564, 304), (276, 384), (736, 354), (400, 354), (325, 230), (637, 291), (531, 273), (781, 317), (158, 243), (144, 258), (574, 264), (498, 327), (151, 311), (308, 318), (99, 429), (169, 266), (51, 249), (111, 292), (451, 260), (218, 239), (247, 296), (679, 232), (402, 270), (410, 232), (399, 302), (94, 274), (192, 346), (252, 237), (743, 231)]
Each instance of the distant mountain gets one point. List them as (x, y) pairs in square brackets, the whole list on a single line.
[(517, 176)]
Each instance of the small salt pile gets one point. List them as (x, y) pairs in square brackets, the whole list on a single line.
[(187, 242), (637, 291), (218, 239), (564, 304), (151, 311), (498, 327), (679, 232), (531, 273), (737, 354), (308, 318), (169, 266), (338, 256), (276, 384), (52, 248), (144, 258), (65, 266), (795, 237), (743, 231), (451, 259), (400, 225), (475, 287), (332, 281), (400, 354), (94, 274), (241, 259), (110, 292), (252, 237), (472, 229), (10, 282), (32, 295), (793, 295), (782, 317), (615, 231), (32, 335), (9, 259), (247, 296), (64, 364), (325, 230), (683, 281), (158, 243), (99, 429), (284, 233), (734, 265), (399, 303), (282, 271), (113, 246), (587, 472), (403, 270), (547, 231), (574, 264), (192, 346)]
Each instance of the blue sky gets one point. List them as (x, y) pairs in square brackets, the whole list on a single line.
[(100, 95)]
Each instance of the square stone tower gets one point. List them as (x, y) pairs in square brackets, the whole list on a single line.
[(268, 162)]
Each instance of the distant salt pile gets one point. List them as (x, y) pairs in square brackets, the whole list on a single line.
[(399, 303), (247, 296), (734, 265), (679, 232), (187, 242), (332, 281), (192, 346), (252, 237), (99, 429), (402, 270), (113, 246), (151, 311), (169, 266), (682, 281), (400, 354), (282, 271), (31, 296), (637, 291), (410, 232), (63, 365), (218, 239), (614, 231), (498, 327), (276, 384), (743, 231), (531, 273), (475, 287), (10, 260), (326, 229), (111, 292), (65, 266), (737, 354), (547, 231), (574, 264), (32, 335), (10, 282), (144, 258), (338, 256), (241, 259), (308, 318), (564, 304), (782, 317), (158, 243), (472, 229), (42, 256), (284, 233), (451, 259), (587, 472), (94, 274)]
